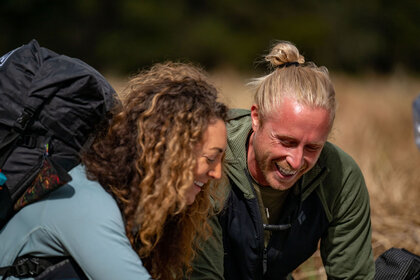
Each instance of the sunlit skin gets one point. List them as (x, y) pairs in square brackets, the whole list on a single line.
[(209, 158), (287, 144)]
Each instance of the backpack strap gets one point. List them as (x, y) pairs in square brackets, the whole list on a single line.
[(39, 268), (14, 138), (8, 141), (21, 124), (27, 266)]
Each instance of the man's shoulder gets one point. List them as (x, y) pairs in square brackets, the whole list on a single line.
[(344, 178), (238, 127), (237, 113), (333, 157)]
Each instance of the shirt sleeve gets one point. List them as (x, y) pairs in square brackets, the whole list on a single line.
[(208, 263), (94, 235), (346, 250)]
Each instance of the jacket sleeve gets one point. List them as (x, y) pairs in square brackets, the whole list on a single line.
[(346, 248), (208, 263)]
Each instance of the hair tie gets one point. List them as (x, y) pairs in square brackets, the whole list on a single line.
[(288, 64)]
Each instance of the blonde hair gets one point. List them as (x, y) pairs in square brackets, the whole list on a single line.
[(292, 77), (146, 160)]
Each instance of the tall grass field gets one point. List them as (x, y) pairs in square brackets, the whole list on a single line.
[(374, 125)]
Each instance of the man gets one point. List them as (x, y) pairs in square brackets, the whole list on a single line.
[(287, 187)]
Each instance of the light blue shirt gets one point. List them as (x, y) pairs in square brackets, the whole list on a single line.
[(79, 219)]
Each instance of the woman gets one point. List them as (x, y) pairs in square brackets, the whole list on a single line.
[(148, 180)]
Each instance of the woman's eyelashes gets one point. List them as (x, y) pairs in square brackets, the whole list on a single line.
[(210, 159)]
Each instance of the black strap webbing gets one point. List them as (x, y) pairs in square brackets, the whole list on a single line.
[(28, 266)]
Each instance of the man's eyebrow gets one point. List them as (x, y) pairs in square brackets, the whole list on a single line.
[(284, 137), (291, 139)]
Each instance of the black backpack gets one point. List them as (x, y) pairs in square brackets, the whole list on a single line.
[(49, 105)]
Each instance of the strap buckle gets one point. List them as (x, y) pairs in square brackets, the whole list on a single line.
[(28, 141), (24, 120), (26, 267)]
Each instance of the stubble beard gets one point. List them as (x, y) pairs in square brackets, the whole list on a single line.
[(270, 174)]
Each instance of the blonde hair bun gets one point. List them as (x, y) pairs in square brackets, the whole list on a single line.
[(284, 53)]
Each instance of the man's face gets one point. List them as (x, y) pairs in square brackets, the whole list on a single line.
[(287, 143)]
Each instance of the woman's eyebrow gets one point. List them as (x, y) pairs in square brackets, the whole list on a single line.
[(220, 150)]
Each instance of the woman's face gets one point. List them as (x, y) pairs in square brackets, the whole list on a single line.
[(209, 158)]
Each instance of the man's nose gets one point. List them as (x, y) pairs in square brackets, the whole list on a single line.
[(295, 158)]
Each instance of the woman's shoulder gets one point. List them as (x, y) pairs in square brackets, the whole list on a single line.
[(80, 201), (79, 210), (80, 188)]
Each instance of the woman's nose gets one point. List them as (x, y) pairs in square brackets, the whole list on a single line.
[(216, 172)]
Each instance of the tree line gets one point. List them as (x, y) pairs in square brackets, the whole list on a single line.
[(351, 36)]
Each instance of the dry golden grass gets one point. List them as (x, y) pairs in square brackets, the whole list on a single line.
[(373, 125)]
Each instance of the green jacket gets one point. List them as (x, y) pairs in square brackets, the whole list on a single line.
[(329, 203)]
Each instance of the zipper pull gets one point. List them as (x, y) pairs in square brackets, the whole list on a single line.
[(47, 146)]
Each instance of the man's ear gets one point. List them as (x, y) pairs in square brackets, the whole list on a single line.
[(255, 117)]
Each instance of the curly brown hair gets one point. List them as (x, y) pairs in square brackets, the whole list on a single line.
[(145, 159)]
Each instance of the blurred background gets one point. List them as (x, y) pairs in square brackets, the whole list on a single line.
[(371, 47), (353, 36)]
